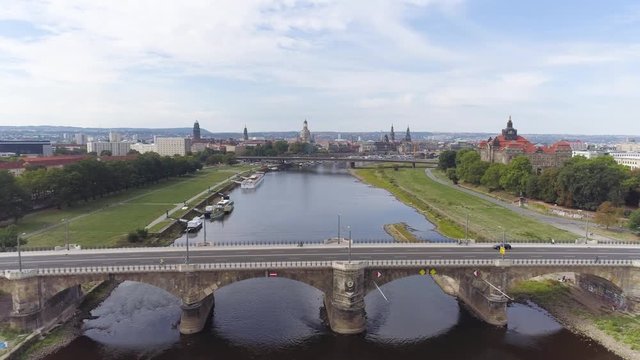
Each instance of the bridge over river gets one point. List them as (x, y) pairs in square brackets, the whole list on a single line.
[(48, 284), (352, 160)]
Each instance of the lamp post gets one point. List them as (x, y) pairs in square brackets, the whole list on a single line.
[(338, 228), (204, 228), (586, 231), (66, 233), (187, 234), (19, 253), (349, 228), (466, 229)]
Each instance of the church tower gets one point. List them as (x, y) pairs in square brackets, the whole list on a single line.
[(509, 133), (245, 134), (196, 131), (407, 137), (393, 134), (305, 134)]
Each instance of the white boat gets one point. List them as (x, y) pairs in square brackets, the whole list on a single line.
[(225, 205), (208, 209), (194, 224), (252, 181)]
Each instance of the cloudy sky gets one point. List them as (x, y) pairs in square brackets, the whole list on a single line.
[(570, 66)]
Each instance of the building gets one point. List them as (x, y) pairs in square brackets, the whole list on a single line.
[(245, 134), (114, 137), (407, 136), (80, 139), (503, 148), (170, 146), (589, 154), (144, 148), (393, 134), (20, 147), (196, 131), (629, 159), (629, 146), (116, 148), (305, 134)]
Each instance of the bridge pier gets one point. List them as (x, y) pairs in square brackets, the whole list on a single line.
[(352, 164), (195, 315), (484, 301), (345, 302), (27, 304)]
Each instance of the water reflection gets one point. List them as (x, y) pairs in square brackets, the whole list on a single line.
[(123, 320), (295, 205)]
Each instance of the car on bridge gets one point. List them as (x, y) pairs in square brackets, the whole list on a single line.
[(507, 246)]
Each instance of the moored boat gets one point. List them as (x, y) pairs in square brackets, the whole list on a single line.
[(226, 205), (252, 181), (194, 224)]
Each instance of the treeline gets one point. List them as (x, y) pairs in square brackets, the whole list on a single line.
[(214, 157), (280, 147), (580, 183), (84, 180)]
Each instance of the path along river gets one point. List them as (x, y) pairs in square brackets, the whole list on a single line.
[(275, 318)]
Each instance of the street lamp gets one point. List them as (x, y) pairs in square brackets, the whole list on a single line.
[(338, 228), (19, 253), (349, 227), (187, 234), (66, 235)]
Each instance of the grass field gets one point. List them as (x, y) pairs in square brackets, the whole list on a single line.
[(448, 208), (105, 222)]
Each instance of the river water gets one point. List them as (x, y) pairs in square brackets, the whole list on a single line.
[(272, 318)]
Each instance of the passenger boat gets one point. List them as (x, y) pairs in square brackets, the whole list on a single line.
[(194, 224), (226, 205), (252, 181)]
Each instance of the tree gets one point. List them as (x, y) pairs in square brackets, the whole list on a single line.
[(470, 168), (9, 238), (452, 175), (607, 214), (447, 160), (491, 177), (15, 201), (106, 153), (587, 183), (514, 178), (634, 221)]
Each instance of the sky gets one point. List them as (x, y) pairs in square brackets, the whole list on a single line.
[(570, 66)]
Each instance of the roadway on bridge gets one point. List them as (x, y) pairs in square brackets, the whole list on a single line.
[(152, 256)]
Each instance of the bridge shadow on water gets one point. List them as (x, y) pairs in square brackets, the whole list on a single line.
[(275, 318)]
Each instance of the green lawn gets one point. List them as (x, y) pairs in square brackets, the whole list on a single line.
[(448, 208), (108, 220)]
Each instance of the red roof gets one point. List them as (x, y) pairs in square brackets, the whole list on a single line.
[(520, 143), (8, 165)]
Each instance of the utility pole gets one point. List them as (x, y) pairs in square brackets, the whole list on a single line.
[(338, 228), (204, 228), (466, 229), (187, 233), (19, 253), (586, 231), (349, 227)]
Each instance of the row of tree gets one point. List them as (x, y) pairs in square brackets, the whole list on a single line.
[(84, 180), (580, 183)]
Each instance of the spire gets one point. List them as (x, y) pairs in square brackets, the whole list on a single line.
[(509, 123), (407, 137), (245, 134), (196, 130), (393, 134)]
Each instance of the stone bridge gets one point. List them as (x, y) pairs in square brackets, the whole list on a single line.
[(40, 296)]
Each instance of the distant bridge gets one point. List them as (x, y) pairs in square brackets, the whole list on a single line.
[(352, 160)]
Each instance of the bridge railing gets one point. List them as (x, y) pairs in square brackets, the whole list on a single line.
[(356, 242), (275, 265)]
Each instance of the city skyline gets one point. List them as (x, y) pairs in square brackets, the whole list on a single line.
[(435, 65)]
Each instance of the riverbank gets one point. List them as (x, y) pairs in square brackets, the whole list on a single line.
[(451, 210), (581, 313), (64, 334), (107, 221)]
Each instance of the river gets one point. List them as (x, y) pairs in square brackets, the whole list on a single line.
[(272, 318)]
